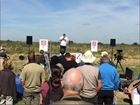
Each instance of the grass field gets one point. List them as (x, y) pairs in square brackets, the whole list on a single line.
[(131, 55)]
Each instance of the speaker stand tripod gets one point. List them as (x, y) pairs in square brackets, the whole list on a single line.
[(118, 62)]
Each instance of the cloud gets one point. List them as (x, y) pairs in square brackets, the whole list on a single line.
[(49, 19)]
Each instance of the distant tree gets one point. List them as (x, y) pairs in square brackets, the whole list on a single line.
[(135, 43), (71, 41), (100, 43), (122, 43)]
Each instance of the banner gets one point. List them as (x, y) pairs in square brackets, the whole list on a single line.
[(43, 44), (94, 45)]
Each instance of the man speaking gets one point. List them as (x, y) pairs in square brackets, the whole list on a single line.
[(63, 42)]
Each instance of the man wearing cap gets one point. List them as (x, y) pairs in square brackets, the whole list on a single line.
[(92, 81)]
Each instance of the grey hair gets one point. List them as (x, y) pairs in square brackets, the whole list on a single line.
[(68, 84), (105, 59)]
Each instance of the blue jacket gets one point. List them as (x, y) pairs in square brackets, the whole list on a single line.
[(18, 85), (109, 77)]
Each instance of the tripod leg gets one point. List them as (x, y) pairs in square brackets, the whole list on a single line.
[(117, 64), (121, 66)]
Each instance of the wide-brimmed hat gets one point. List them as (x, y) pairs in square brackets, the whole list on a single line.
[(103, 53), (88, 57), (2, 48), (131, 86)]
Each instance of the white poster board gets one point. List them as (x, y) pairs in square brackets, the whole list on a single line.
[(94, 45), (43, 44)]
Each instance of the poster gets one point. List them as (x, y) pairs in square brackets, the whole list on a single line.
[(77, 56), (94, 45), (43, 44)]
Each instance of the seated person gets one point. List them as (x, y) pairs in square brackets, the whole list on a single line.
[(135, 93)]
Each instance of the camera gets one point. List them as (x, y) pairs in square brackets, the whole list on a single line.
[(118, 55)]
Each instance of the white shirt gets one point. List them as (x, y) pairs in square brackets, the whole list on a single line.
[(64, 42)]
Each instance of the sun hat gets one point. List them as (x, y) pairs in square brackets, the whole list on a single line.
[(88, 57), (131, 86), (103, 53)]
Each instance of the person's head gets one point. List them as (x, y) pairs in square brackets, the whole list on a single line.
[(42, 52), (56, 74), (72, 81), (7, 64), (105, 59), (2, 48), (64, 35), (54, 60), (68, 57), (88, 57), (73, 58), (31, 57)]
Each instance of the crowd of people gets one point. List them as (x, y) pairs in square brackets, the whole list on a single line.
[(70, 82)]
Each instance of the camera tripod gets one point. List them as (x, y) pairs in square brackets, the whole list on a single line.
[(118, 62)]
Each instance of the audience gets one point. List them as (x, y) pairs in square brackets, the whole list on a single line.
[(7, 84), (110, 82), (32, 76), (69, 63), (92, 79), (19, 88), (2, 56), (51, 91), (72, 83)]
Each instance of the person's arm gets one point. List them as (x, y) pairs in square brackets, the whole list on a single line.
[(99, 82), (116, 81), (43, 76), (22, 77), (61, 38)]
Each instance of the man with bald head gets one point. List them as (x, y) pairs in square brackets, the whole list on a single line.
[(72, 83)]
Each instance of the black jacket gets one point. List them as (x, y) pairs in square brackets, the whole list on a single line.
[(7, 83)]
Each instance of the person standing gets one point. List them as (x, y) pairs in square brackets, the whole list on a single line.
[(92, 79), (110, 82), (7, 84), (72, 83), (63, 42), (32, 76)]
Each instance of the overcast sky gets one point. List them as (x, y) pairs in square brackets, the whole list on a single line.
[(80, 20)]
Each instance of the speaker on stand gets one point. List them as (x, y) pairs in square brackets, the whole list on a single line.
[(29, 41), (112, 44)]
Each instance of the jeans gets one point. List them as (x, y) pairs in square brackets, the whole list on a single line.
[(29, 97)]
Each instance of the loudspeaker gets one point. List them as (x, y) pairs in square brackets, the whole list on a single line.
[(112, 42), (29, 40)]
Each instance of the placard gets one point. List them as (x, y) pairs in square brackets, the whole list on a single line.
[(94, 45), (43, 44)]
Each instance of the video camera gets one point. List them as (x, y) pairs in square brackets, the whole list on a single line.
[(118, 55)]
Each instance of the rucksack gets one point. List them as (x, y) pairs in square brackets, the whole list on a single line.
[(54, 94)]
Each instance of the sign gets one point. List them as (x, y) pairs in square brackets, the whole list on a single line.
[(77, 56), (43, 44), (94, 45)]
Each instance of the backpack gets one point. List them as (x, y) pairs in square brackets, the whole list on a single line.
[(54, 94)]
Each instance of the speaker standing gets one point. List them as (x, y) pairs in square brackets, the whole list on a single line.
[(63, 42)]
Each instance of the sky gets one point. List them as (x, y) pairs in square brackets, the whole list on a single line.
[(81, 20)]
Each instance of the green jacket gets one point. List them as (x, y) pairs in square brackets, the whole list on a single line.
[(71, 100)]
